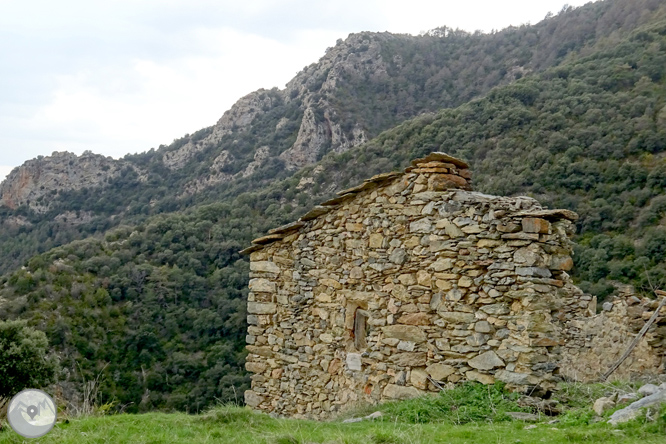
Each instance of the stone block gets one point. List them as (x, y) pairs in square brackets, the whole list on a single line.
[(564, 263), (508, 228), (266, 352), (253, 399), (409, 359), (477, 339), (423, 278), (261, 308), (406, 346), (354, 361), (480, 377), (442, 264), (326, 338), (439, 372), (465, 282), (488, 243), (454, 295), (443, 285), (419, 379), (421, 226), (457, 317), (353, 227), (264, 267), (435, 301), (495, 309), (483, 327), (398, 256), (465, 173), (407, 279), (405, 333), (331, 283), (486, 361), (415, 319), (535, 225), (602, 404), (533, 271), (396, 392), (442, 182), (472, 229), (261, 285), (527, 257), (376, 240), (451, 230), (255, 367), (521, 236)]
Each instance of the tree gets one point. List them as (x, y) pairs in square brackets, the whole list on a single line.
[(24, 362)]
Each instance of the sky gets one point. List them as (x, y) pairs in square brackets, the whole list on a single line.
[(123, 76)]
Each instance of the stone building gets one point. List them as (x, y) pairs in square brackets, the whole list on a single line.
[(407, 283)]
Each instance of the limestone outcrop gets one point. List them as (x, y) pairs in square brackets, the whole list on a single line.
[(31, 183)]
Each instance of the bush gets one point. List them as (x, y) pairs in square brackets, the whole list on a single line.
[(24, 362)]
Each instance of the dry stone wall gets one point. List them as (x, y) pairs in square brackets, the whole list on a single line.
[(408, 282), (596, 341)]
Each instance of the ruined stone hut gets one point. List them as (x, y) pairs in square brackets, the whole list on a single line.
[(407, 283)]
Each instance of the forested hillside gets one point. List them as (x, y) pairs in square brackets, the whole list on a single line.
[(588, 135), (157, 304), (366, 84), (159, 309)]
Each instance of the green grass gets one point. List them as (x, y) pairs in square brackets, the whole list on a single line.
[(469, 402), (239, 425), (470, 413)]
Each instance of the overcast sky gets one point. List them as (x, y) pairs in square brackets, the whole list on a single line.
[(122, 76)]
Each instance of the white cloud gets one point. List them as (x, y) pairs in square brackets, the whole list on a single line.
[(155, 102)]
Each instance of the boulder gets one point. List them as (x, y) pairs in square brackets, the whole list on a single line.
[(602, 404), (648, 389), (634, 409)]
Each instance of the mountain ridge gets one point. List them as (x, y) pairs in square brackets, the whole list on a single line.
[(318, 122)]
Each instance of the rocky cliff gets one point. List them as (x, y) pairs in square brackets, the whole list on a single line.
[(33, 182)]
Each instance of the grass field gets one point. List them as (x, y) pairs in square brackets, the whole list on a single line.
[(470, 414)]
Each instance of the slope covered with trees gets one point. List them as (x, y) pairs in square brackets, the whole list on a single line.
[(364, 85), (158, 310), (588, 135)]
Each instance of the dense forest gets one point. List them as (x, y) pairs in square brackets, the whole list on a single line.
[(162, 305), (151, 291)]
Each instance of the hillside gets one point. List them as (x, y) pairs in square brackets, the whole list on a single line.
[(362, 86), (588, 135), (156, 305)]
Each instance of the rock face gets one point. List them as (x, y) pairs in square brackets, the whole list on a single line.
[(32, 182), (312, 92), (405, 279), (236, 119)]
